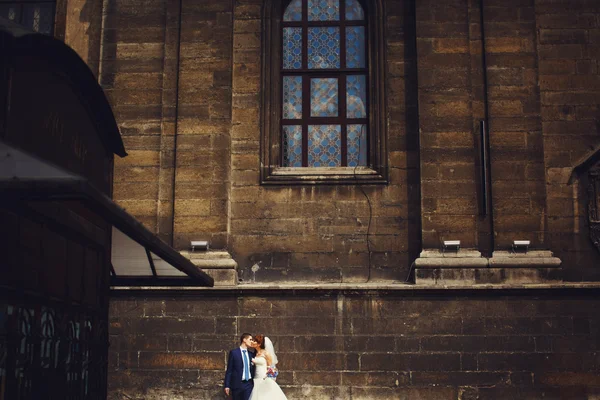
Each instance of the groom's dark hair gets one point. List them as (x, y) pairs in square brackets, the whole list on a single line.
[(244, 336)]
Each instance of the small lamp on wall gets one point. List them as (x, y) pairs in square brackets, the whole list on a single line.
[(521, 246), (451, 245), (199, 244)]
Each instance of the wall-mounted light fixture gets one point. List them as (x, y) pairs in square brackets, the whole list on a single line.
[(199, 244), (451, 245), (521, 245)]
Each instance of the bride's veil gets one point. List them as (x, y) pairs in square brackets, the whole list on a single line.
[(269, 347)]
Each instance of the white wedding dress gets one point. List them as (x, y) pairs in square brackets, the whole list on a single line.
[(264, 388)]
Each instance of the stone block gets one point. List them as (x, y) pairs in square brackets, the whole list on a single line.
[(563, 36), (143, 208), (139, 158), (187, 224), (411, 362), (506, 107), (180, 343), (463, 379), (450, 45), (515, 274), (511, 45), (180, 360), (173, 325), (135, 191), (192, 207)]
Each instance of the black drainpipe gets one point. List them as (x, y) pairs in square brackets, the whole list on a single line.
[(176, 122), (486, 209)]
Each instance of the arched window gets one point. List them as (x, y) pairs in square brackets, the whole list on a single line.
[(323, 72)]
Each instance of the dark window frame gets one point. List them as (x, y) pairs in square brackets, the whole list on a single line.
[(21, 4), (593, 191), (376, 171)]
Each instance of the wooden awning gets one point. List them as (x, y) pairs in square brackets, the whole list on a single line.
[(138, 256)]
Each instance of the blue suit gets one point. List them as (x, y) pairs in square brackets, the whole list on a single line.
[(240, 389)]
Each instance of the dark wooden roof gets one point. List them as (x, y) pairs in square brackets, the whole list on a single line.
[(585, 163), (16, 40)]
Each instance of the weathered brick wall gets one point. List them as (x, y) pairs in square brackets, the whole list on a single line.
[(171, 93), (203, 181), (132, 72), (209, 170), (363, 345), (451, 105), (318, 233), (568, 55), (448, 150), (516, 146), (203, 138)]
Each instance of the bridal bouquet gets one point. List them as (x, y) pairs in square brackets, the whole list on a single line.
[(272, 372)]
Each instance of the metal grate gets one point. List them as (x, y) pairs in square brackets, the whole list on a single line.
[(48, 351)]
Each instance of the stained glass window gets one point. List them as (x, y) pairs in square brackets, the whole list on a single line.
[(292, 48), (292, 97), (324, 103), (38, 16), (324, 97), (354, 10), (323, 47), (357, 145), (355, 48), (323, 10), (294, 11), (324, 146), (292, 146), (356, 96)]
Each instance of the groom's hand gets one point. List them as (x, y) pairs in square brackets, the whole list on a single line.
[(227, 391)]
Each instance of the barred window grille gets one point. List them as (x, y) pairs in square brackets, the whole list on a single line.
[(37, 16), (51, 349)]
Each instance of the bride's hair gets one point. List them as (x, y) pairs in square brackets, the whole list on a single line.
[(260, 339)]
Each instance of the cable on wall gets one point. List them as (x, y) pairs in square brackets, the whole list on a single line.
[(362, 134)]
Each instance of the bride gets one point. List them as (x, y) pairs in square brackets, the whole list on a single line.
[(265, 387)]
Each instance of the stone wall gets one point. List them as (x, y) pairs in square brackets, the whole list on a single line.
[(448, 114), (184, 80), (363, 344), (569, 80), (319, 233)]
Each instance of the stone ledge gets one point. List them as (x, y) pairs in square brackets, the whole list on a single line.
[(218, 264), (221, 263), (475, 276), (508, 259), (368, 287), (206, 255), (467, 267), (473, 259), (443, 262), (462, 253), (464, 258)]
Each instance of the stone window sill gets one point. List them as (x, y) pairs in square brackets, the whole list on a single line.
[(324, 175)]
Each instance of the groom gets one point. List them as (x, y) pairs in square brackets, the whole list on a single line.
[(238, 378)]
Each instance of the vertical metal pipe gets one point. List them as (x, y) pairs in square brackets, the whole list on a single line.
[(176, 122), (483, 147), (487, 206)]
